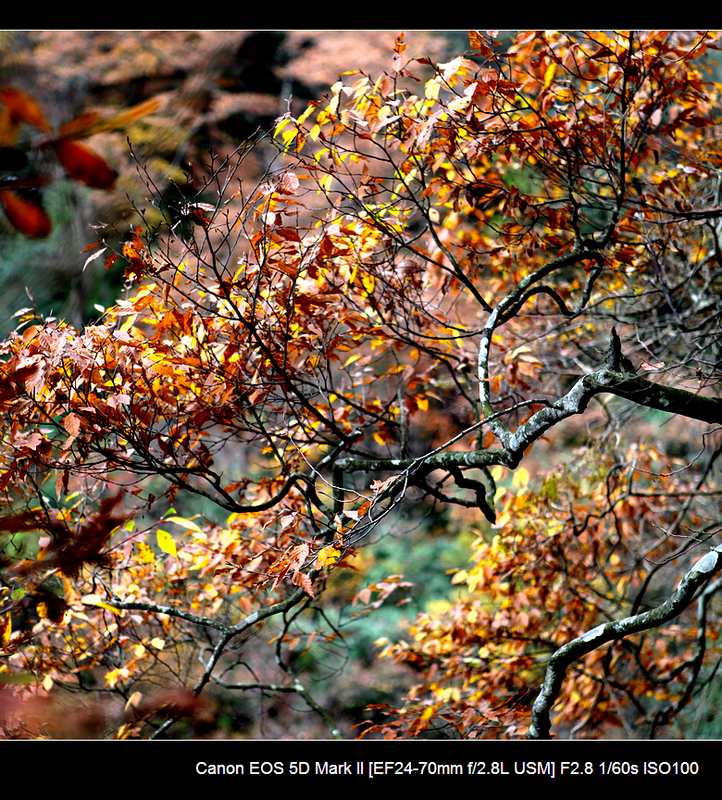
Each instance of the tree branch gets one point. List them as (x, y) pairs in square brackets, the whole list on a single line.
[(556, 669)]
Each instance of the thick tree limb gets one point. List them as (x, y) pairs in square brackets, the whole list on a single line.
[(670, 399), (556, 669), (575, 401), (662, 717), (615, 377)]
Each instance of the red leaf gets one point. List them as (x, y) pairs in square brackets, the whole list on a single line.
[(26, 216), (83, 165)]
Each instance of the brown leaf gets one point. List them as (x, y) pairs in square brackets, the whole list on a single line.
[(297, 557), (302, 580), (288, 184), (81, 125), (71, 423)]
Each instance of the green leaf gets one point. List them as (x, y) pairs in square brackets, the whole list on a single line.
[(17, 678), (18, 593)]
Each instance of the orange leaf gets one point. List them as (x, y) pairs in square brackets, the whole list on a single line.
[(80, 126), (23, 108), (91, 122), (83, 165), (302, 580), (26, 216)]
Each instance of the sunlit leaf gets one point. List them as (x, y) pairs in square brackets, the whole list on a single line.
[(166, 542)]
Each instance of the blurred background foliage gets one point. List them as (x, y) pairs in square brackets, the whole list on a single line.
[(216, 89)]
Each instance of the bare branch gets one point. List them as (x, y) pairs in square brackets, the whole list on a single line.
[(557, 666)]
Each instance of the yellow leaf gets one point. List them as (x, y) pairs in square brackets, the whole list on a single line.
[(431, 89), (112, 609), (166, 542), (157, 643), (549, 74), (128, 323), (327, 557), (114, 675), (284, 122), (96, 601), (521, 478), (422, 403), (306, 114), (145, 554), (184, 523), (368, 282), (554, 527), (497, 473), (289, 135), (134, 700)]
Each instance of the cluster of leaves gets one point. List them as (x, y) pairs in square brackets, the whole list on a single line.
[(418, 289), (186, 362), (564, 555)]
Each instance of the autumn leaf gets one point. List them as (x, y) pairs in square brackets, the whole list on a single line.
[(188, 524), (92, 122), (23, 108), (549, 73), (166, 542), (84, 165), (327, 557), (71, 423), (302, 580), (25, 214)]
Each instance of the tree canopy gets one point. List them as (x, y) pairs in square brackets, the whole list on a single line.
[(488, 287)]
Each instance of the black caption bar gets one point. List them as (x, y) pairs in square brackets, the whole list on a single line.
[(240, 764)]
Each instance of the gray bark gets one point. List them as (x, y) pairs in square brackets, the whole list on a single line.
[(556, 669)]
